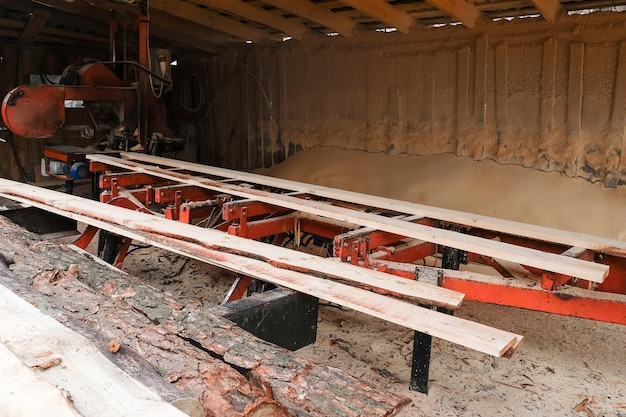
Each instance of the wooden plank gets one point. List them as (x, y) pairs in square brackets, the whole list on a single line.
[(196, 243), (546, 234), (574, 252), (276, 256), (525, 256), (97, 387), (18, 391)]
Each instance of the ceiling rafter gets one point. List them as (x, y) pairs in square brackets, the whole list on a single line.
[(166, 27), (460, 10), (317, 14), (34, 25), (92, 11), (186, 33), (549, 9), (212, 20), (257, 14), (164, 23), (385, 12)]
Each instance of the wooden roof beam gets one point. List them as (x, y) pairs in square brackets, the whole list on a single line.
[(311, 11), (185, 41), (37, 21), (385, 12), (461, 10), (167, 27), (257, 14), (549, 9), (93, 10), (212, 20)]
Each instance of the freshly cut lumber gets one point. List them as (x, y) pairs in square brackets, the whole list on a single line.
[(296, 383), (96, 386), (207, 246), (551, 262), (463, 332), (277, 256), (547, 234), (18, 391)]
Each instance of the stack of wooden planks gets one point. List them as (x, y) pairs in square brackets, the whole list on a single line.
[(547, 261), (276, 384), (282, 267)]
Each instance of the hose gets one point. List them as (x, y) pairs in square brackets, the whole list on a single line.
[(187, 91)]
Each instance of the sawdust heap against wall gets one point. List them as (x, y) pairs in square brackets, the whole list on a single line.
[(481, 187)]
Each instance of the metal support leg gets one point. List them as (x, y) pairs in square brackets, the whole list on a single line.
[(95, 186), (69, 186), (422, 343), (420, 364), (107, 246)]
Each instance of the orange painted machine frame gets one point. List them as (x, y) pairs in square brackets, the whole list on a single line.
[(381, 250)]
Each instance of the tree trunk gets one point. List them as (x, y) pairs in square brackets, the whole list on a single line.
[(193, 349), (179, 372)]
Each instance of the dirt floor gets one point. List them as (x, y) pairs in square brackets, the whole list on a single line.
[(565, 367)]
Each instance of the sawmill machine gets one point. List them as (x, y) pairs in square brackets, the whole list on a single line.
[(92, 102)]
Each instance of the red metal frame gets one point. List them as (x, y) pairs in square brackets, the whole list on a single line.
[(366, 247), (612, 311)]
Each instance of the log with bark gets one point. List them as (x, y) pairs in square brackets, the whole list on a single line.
[(180, 373), (211, 363)]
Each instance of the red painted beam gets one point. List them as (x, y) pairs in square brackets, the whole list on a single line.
[(612, 310)]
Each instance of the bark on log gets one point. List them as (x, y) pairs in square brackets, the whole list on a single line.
[(206, 386), (170, 332), (182, 374)]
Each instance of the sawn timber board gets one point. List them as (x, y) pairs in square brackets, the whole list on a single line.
[(547, 261), (275, 255), (547, 234), (97, 387), (198, 244)]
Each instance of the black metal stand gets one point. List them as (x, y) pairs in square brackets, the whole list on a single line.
[(420, 365), (283, 317), (37, 220), (422, 343)]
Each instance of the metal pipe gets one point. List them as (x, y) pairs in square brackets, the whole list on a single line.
[(144, 24)]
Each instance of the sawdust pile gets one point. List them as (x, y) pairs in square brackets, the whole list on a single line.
[(482, 187)]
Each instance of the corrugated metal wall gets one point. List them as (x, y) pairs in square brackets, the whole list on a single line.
[(546, 96)]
